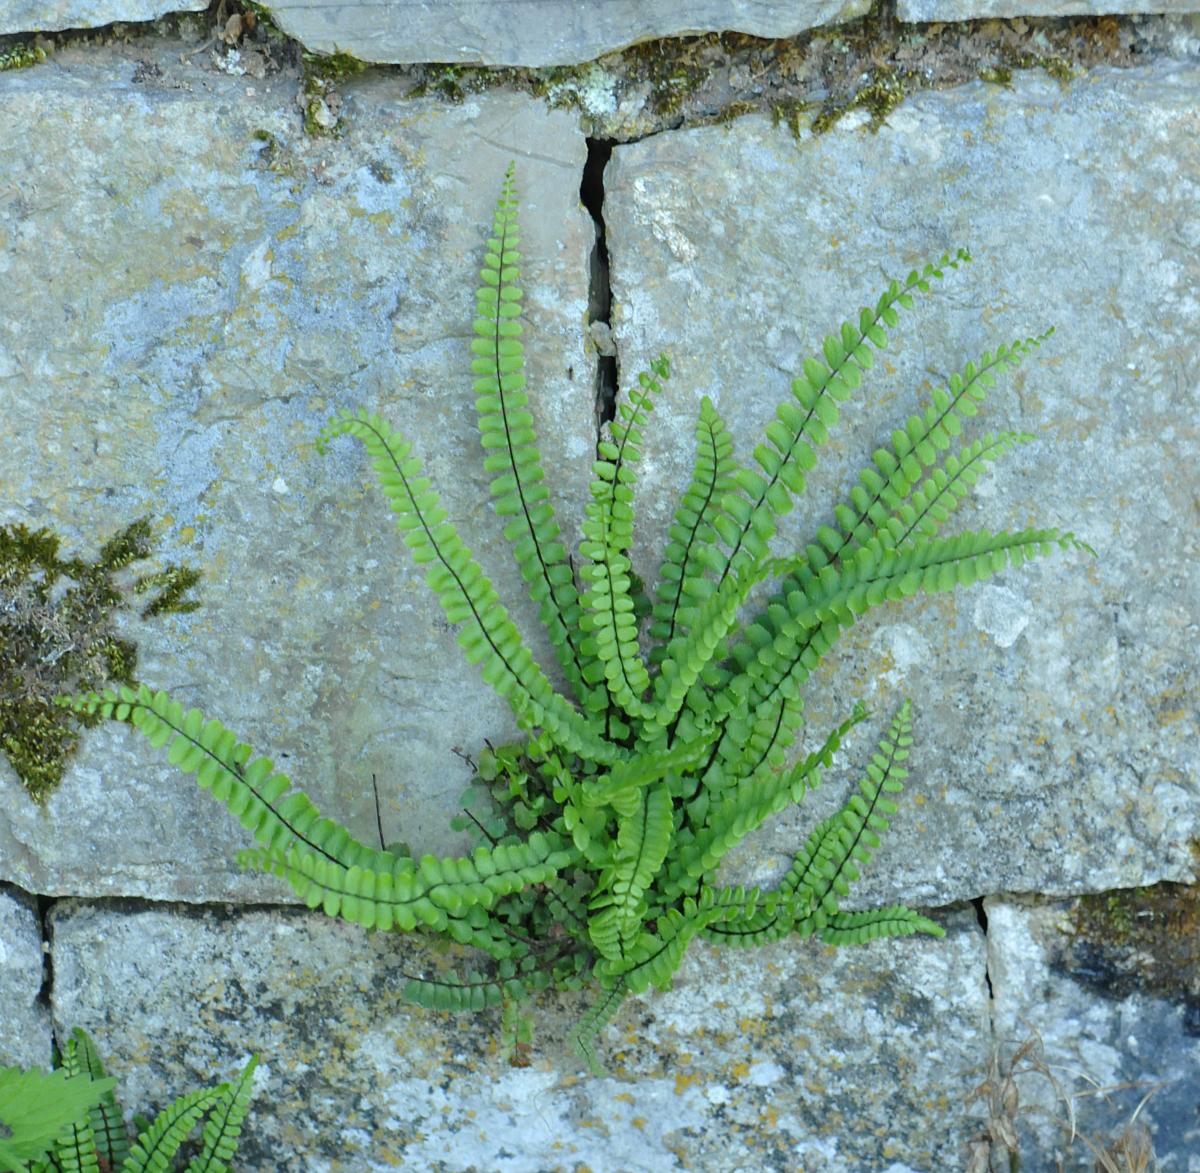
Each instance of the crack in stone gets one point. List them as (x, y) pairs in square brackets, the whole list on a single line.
[(43, 906), (591, 195)]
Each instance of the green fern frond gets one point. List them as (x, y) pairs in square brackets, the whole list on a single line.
[(224, 1124), (653, 959), (593, 1022), (108, 1122), (507, 434), (452, 996), (439, 894), (643, 840), (745, 807), (620, 785), (156, 1146), (857, 928), (887, 481), (259, 795), (830, 860), (692, 548), (75, 1147), (488, 636), (938, 494), (747, 518), (610, 617)]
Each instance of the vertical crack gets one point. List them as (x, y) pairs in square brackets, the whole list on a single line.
[(982, 919), (591, 195), (43, 906)]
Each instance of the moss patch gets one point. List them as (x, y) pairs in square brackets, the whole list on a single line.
[(56, 635)]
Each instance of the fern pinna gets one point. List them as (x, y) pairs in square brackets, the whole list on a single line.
[(599, 832)]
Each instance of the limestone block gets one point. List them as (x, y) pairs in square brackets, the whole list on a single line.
[(757, 1059), (1102, 1018), (24, 1023), (33, 16), (192, 288), (533, 32), (1055, 707), (928, 10)]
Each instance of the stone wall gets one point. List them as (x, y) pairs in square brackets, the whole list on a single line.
[(211, 239)]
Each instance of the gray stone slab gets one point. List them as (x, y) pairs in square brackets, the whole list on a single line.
[(1107, 1048), (25, 1022), (1055, 708), (534, 32), (193, 287), (929, 10), (757, 1060), (33, 16)]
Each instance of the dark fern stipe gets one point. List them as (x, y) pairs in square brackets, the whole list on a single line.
[(600, 831)]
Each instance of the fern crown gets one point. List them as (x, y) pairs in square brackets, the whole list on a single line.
[(599, 832)]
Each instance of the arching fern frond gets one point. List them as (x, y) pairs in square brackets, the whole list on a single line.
[(488, 636), (260, 796), (692, 548), (594, 1021), (857, 928), (107, 1122), (224, 1124), (507, 434), (802, 424), (878, 500), (824, 869), (745, 807), (454, 996), (610, 617), (155, 1148)]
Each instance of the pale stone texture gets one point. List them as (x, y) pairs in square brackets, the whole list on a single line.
[(534, 32), (24, 1022), (192, 288), (755, 1060), (927, 10), (1055, 707), (31, 16), (1124, 1043)]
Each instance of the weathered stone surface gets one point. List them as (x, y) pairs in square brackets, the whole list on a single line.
[(32, 16), (533, 32), (24, 1022), (928, 10), (1093, 1033), (193, 287), (1056, 709), (758, 1059)]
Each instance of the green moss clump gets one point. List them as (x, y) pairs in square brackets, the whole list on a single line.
[(880, 96), (56, 636), (21, 55)]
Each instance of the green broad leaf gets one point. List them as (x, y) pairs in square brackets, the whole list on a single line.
[(36, 1105)]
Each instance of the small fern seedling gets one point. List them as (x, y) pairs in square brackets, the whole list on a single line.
[(601, 830)]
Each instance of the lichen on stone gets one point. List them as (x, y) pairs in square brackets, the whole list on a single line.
[(57, 635)]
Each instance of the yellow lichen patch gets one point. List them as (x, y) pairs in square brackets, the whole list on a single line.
[(684, 1081)]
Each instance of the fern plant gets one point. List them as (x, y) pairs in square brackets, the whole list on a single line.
[(601, 830), (69, 1119)]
